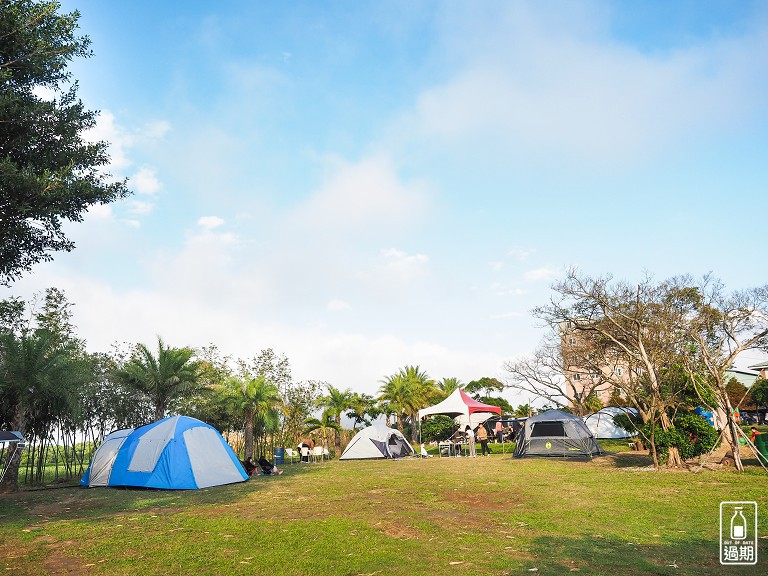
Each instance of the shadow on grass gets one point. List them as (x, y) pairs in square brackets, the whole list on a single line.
[(595, 554), (75, 503)]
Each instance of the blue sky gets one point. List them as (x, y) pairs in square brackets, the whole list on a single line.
[(365, 185)]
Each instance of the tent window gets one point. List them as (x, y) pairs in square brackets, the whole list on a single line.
[(548, 429)]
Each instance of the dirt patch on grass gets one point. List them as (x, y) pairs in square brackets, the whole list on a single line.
[(491, 501), (398, 530), (57, 562)]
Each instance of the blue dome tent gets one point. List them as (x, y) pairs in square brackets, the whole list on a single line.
[(176, 453)]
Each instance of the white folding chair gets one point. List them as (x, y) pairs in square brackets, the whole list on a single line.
[(326, 454), (305, 453), (317, 452), (291, 453)]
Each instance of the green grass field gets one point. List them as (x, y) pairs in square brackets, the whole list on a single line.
[(484, 516)]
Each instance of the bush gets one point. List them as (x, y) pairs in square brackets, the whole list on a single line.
[(437, 428), (691, 434)]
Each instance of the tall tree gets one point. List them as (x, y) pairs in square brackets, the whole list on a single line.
[(362, 409), (257, 400), (485, 386), (723, 326), (334, 404), (163, 377), (39, 381), (634, 337), (408, 391), (448, 385), (48, 172), (560, 372)]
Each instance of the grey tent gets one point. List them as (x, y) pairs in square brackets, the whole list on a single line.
[(377, 441), (556, 433)]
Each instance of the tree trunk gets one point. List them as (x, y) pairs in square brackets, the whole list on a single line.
[(10, 481), (337, 439), (732, 434), (673, 460), (248, 434)]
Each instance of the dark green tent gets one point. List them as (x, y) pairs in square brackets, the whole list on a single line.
[(556, 433)]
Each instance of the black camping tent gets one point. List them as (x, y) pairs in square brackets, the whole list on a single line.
[(556, 433)]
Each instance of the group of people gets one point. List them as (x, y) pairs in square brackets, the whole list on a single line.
[(266, 467), (469, 437)]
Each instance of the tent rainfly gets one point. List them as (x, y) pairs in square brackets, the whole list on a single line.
[(556, 433), (462, 407), (174, 453), (601, 423), (377, 441)]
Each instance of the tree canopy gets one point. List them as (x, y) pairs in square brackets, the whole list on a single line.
[(48, 172)]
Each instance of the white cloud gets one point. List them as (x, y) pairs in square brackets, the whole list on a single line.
[(520, 254), (397, 259), (365, 196), (540, 274), (338, 305), (210, 222), (121, 139), (145, 182), (140, 208), (100, 212), (536, 84), (506, 315)]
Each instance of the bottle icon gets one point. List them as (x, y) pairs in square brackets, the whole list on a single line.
[(738, 525)]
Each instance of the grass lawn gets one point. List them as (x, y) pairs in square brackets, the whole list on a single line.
[(484, 516)]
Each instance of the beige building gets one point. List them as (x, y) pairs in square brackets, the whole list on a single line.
[(589, 371)]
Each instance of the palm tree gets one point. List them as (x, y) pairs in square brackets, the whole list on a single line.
[(407, 392), (257, 400), (394, 395), (422, 393), (448, 385), (39, 383), (164, 377), (335, 403), (324, 425)]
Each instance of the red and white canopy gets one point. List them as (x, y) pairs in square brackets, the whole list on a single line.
[(461, 406)]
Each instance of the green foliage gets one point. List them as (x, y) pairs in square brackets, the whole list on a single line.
[(593, 403), (523, 410), (437, 428), (48, 172), (164, 377), (485, 386), (506, 407), (737, 393), (691, 434), (759, 392)]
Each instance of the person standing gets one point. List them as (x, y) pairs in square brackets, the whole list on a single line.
[(471, 442), (482, 436)]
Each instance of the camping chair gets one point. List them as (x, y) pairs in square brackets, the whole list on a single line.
[(317, 452), (291, 453)]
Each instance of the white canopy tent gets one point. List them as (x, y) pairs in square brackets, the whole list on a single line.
[(463, 408)]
